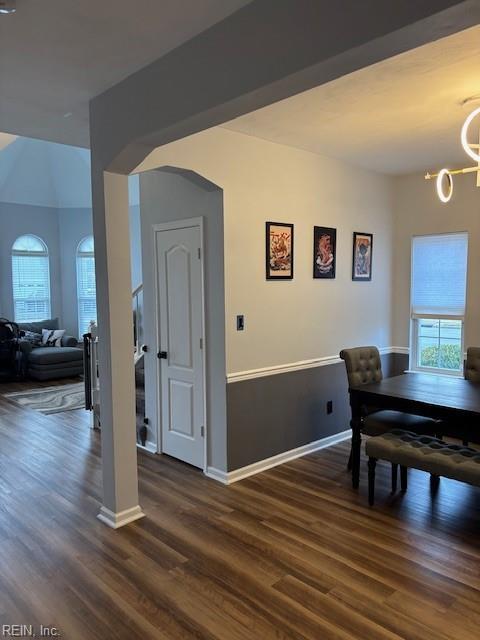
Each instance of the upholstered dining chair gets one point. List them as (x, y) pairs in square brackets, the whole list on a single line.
[(472, 365), (472, 369), (364, 365)]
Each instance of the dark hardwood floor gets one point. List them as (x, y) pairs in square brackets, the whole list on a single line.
[(293, 553)]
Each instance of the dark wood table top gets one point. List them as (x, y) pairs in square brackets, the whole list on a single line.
[(423, 388)]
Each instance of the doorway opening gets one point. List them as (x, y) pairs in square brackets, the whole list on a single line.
[(183, 315)]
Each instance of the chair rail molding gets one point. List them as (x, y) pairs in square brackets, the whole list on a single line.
[(240, 376)]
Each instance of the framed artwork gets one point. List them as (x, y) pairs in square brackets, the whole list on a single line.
[(362, 256), (324, 252), (279, 251)]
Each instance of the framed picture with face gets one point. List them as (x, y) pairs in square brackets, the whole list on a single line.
[(279, 251), (362, 256), (324, 252)]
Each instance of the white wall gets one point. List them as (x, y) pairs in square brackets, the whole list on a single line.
[(418, 211), (292, 321)]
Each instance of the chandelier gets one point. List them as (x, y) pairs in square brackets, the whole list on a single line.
[(444, 178)]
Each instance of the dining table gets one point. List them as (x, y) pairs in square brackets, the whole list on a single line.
[(453, 401)]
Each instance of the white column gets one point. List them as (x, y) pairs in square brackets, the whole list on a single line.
[(115, 330)]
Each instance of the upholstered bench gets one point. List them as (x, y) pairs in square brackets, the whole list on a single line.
[(426, 453)]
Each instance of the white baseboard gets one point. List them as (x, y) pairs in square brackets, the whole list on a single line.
[(150, 447), (120, 519), (216, 474), (227, 477)]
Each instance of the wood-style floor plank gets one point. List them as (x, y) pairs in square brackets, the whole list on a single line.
[(290, 554)]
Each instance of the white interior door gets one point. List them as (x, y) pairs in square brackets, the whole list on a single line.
[(180, 314)]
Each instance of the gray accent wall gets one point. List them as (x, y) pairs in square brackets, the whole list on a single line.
[(74, 225), (394, 364), (61, 229), (270, 415), (136, 245), (20, 219)]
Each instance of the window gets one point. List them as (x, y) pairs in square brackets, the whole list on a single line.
[(86, 289), (30, 279), (439, 277)]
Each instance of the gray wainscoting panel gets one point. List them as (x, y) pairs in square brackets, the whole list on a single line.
[(394, 364), (270, 415)]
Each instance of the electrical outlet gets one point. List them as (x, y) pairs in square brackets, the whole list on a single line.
[(330, 406)]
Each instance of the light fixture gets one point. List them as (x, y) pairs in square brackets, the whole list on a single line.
[(463, 136), (444, 196), (446, 174), (8, 6)]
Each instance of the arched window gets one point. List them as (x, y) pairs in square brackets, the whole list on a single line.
[(30, 279), (86, 290)]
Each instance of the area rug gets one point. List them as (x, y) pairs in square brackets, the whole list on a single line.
[(51, 399)]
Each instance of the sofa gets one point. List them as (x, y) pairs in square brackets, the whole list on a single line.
[(49, 363)]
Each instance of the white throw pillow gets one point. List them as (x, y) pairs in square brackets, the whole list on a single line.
[(52, 338)]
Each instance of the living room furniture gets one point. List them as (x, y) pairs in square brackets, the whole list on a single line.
[(410, 450), (49, 363), (9, 334), (454, 401), (364, 365)]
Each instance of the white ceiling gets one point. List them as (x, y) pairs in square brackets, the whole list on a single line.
[(397, 116), (56, 55)]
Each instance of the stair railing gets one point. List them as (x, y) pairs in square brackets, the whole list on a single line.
[(91, 377), (90, 355)]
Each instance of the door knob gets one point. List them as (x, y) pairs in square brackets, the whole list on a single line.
[(162, 355)]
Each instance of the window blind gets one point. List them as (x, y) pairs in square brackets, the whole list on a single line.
[(31, 287), (86, 291), (439, 274)]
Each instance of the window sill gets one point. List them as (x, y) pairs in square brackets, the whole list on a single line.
[(443, 374)]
